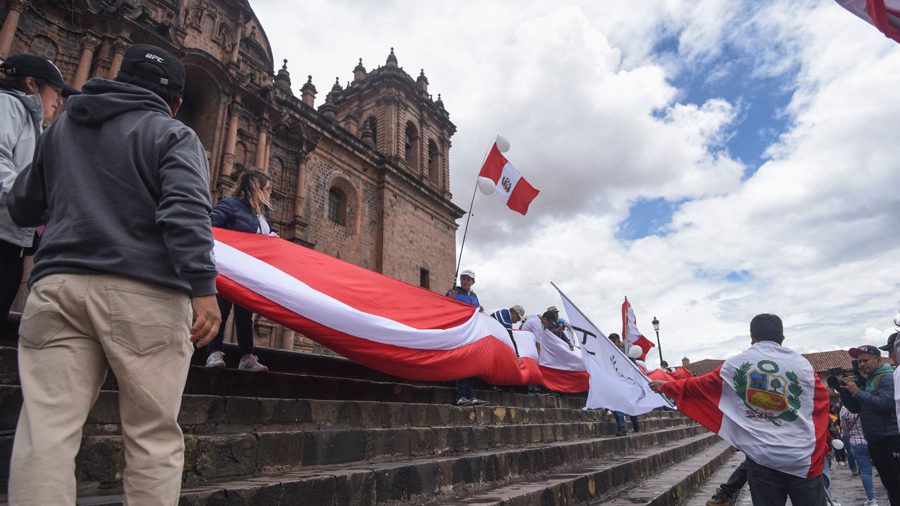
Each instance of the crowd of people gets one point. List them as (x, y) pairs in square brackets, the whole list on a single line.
[(117, 194)]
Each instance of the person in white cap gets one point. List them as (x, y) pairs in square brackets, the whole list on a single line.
[(465, 388)]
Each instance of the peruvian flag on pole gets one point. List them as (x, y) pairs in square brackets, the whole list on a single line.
[(512, 188), (630, 333), (767, 402)]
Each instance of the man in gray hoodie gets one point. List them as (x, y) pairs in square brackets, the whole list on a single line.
[(124, 279)]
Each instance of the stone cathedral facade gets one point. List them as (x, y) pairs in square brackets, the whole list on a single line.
[(363, 175)]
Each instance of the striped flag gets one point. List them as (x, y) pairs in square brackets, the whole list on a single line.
[(380, 322), (512, 188)]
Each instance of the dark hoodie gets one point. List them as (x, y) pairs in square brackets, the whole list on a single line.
[(125, 189)]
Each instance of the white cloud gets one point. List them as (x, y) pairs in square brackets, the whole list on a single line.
[(596, 122)]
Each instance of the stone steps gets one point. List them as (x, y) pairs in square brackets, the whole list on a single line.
[(421, 481), (291, 437), (708, 488), (292, 385), (218, 456), (679, 482), (206, 413), (597, 481)]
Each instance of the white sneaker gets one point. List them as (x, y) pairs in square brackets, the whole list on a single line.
[(252, 365), (872, 502), (216, 359), (463, 401), (478, 402)]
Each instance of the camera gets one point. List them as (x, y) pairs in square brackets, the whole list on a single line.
[(837, 374)]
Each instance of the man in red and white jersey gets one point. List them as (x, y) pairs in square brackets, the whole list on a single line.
[(769, 403)]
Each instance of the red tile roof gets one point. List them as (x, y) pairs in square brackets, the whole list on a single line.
[(702, 367), (821, 362)]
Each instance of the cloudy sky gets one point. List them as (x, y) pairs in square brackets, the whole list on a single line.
[(709, 159)]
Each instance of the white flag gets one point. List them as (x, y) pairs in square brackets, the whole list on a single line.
[(616, 383)]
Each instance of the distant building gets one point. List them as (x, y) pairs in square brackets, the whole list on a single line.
[(364, 177), (821, 361)]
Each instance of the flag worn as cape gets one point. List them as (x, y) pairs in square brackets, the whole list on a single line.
[(768, 402), (512, 188)]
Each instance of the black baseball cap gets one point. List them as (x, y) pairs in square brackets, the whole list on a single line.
[(892, 339), (30, 65), (866, 348), (153, 65)]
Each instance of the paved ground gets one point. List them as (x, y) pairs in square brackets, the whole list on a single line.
[(846, 489)]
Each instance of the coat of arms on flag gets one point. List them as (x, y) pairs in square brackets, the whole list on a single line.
[(769, 396)]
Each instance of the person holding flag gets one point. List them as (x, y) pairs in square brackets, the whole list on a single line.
[(769, 403)]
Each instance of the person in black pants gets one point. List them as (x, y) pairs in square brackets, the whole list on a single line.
[(875, 405), (243, 212), (725, 493)]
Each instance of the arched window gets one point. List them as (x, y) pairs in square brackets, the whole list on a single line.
[(434, 162), (412, 146), (337, 206)]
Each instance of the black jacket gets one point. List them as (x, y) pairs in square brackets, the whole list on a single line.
[(125, 188), (235, 214), (876, 409)]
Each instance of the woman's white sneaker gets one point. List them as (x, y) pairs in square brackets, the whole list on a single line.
[(216, 359), (252, 365)]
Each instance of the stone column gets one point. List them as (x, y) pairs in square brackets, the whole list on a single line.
[(300, 192), (261, 162), (238, 35), (231, 139), (84, 64), (119, 48), (287, 339), (10, 24)]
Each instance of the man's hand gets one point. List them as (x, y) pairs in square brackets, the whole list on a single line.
[(206, 320), (657, 385), (850, 385), (452, 294), (571, 346)]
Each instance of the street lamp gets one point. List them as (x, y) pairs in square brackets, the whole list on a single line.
[(655, 323)]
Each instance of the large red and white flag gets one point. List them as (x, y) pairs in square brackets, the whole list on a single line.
[(883, 14), (767, 402), (561, 369), (512, 188), (615, 382), (374, 320), (630, 333)]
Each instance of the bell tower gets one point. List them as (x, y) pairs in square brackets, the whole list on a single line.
[(394, 113)]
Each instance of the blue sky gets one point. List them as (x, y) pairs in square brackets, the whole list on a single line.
[(760, 100), (711, 159)]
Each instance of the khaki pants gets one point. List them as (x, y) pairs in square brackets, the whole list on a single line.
[(73, 328)]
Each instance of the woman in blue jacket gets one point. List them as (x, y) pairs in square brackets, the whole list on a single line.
[(243, 212)]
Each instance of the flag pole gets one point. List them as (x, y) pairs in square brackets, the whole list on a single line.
[(469, 215), (466, 230)]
